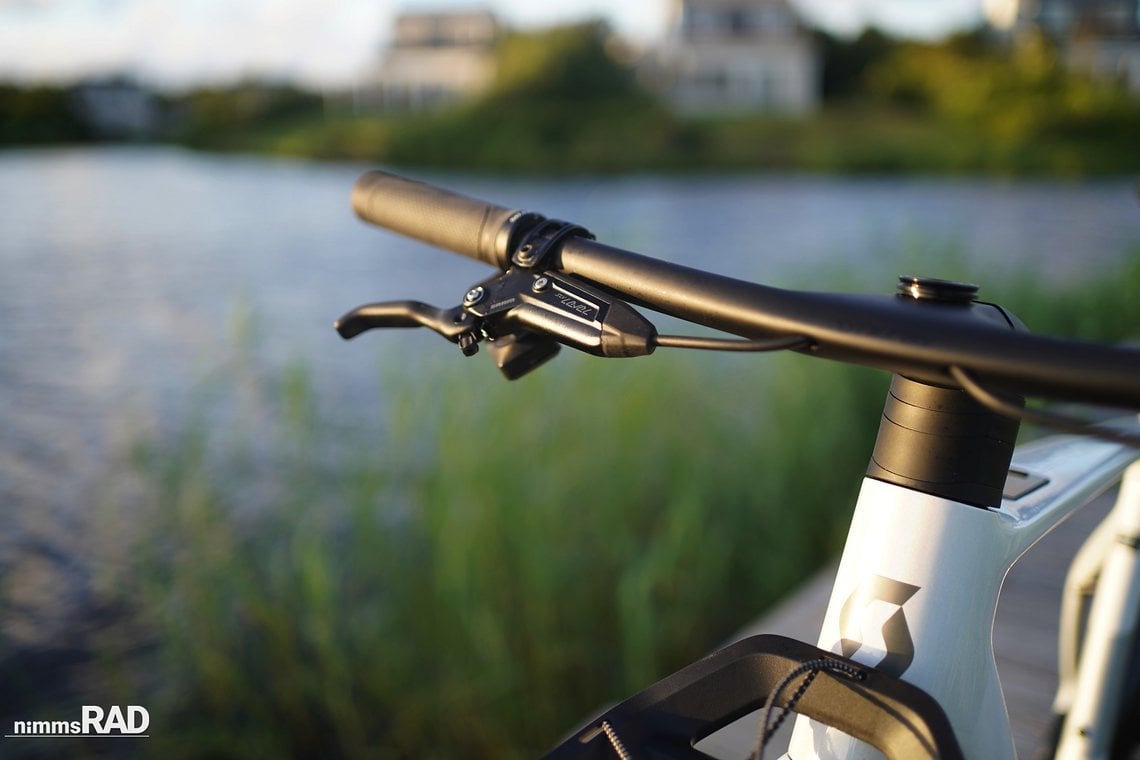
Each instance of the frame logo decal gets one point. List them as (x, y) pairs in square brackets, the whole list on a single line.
[(896, 634)]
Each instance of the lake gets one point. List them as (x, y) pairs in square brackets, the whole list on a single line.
[(125, 274)]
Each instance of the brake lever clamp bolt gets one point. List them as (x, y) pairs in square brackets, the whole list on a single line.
[(474, 296), (540, 284)]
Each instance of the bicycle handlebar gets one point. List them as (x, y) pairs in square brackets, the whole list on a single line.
[(919, 339), (454, 222), (925, 339)]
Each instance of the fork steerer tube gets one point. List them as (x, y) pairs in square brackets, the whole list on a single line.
[(941, 442)]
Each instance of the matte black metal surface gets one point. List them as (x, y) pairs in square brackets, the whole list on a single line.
[(895, 333)]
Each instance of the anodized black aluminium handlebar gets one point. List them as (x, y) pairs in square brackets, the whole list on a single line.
[(926, 340)]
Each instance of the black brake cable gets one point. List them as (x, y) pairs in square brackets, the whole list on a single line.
[(1064, 422), (782, 343), (987, 398), (767, 728), (813, 668)]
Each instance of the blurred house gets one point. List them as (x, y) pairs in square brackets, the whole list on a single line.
[(117, 109), (1101, 37), (738, 55), (434, 58)]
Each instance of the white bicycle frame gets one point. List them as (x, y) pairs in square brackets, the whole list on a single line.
[(918, 584)]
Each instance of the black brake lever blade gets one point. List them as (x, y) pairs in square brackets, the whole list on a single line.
[(450, 323)]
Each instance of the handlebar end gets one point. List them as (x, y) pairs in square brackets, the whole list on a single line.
[(438, 217)]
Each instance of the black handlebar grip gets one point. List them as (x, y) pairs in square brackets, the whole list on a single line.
[(439, 217)]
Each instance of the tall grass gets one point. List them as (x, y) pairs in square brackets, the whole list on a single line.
[(476, 569), (494, 562)]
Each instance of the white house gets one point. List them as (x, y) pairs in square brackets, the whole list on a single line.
[(436, 58), (738, 55)]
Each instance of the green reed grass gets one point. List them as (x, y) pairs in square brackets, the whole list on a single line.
[(471, 571), (492, 563)]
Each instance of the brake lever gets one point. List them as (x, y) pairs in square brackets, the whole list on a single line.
[(456, 324), (524, 315)]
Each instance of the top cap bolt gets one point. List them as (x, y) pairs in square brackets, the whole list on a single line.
[(932, 289)]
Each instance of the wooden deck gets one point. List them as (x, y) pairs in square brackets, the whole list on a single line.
[(1025, 631)]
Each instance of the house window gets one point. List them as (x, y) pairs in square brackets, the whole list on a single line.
[(738, 23), (775, 20), (713, 80)]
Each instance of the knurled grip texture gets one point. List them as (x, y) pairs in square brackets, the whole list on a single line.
[(439, 217)]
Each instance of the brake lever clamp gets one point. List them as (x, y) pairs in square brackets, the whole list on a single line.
[(543, 239)]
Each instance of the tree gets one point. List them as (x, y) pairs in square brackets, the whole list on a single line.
[(573, 63)]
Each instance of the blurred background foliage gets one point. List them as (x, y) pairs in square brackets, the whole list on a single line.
[(561, 103), (569, 100), (1022, 96)]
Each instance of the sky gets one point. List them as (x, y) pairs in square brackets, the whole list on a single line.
[(330, 43)]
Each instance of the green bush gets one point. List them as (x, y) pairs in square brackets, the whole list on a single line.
[(561, 102), (39, 115)]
